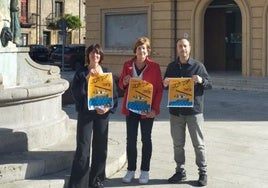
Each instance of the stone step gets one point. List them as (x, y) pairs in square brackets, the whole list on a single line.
[(39, 162), (50, 167), (56, 180), (29, 138), (224, 80), (238, 82)]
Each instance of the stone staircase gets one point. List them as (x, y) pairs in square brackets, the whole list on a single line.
[(32, 168), (235, 81), (49, 167)]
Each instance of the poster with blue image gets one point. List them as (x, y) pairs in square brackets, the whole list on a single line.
[(100, 91)]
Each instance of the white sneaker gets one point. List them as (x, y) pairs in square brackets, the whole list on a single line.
[(129, 176), (144, 177)]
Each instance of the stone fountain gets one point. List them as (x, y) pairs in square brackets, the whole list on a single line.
[(31, 114), (32, 121)]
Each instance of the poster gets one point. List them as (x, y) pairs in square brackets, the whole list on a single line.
[(181, 92), (139, 99), (100, 91)]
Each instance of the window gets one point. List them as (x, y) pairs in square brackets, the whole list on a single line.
[(121, 28), (24, 39), (58, 9), (24, 11)]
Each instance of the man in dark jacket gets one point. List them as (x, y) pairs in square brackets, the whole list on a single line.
[(185, 66)]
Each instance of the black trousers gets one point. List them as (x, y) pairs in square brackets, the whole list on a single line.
[(133, 120), (82, 175)]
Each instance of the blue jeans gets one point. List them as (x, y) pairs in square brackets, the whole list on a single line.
[(177, 129), (146, 125)]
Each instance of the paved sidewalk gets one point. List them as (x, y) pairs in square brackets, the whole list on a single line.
[(236, 133), (237, 157)]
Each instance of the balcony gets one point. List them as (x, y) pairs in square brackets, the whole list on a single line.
[(29, 21), (52, 22)]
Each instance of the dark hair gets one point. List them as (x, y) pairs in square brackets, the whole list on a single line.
[(140, 41), (97, 48), (182, 39)]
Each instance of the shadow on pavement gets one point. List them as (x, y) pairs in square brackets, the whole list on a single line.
[(117, 182)]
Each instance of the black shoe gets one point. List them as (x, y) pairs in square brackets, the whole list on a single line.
[(177, 177), (203, 180), (97, 184)]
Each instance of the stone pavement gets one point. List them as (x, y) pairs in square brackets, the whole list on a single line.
[(236, 133)]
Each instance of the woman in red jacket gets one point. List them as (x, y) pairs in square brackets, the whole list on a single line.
[(141, 67)]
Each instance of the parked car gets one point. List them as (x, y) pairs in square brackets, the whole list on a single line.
[(53, 47), (38, 52), (74, 56)]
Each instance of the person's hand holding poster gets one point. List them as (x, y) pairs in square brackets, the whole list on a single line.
[(139, 97), (100, 91), (181, 92)]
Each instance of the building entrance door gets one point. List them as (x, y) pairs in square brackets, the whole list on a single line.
[(222, 36)]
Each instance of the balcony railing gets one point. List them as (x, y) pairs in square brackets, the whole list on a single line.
[(30, 21), (52, 21)]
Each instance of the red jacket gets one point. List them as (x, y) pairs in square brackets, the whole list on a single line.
[(152, 74)]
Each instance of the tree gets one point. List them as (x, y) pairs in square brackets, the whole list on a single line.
[(70, 22)]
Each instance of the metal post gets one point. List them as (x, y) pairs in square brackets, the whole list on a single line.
[(36, 20), (79, 19), (40, 23), (62, 51), (63, 32)]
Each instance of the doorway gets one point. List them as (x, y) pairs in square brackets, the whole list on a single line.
[(46, 38), (223, 36)]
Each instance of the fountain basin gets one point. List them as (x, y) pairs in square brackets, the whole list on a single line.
[(31, 111)]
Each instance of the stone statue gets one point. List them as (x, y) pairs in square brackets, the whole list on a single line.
[(4, 13), (6, 35), (15, 22), (9, 22)]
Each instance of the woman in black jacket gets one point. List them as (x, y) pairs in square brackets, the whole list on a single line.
[(88, 122)]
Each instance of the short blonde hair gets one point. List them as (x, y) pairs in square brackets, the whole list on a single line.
[(140, 41)]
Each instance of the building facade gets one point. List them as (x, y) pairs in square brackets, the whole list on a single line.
[(38, 18), (226, 35)]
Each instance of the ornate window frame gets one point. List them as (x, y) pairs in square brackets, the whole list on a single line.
[(124, 20)]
